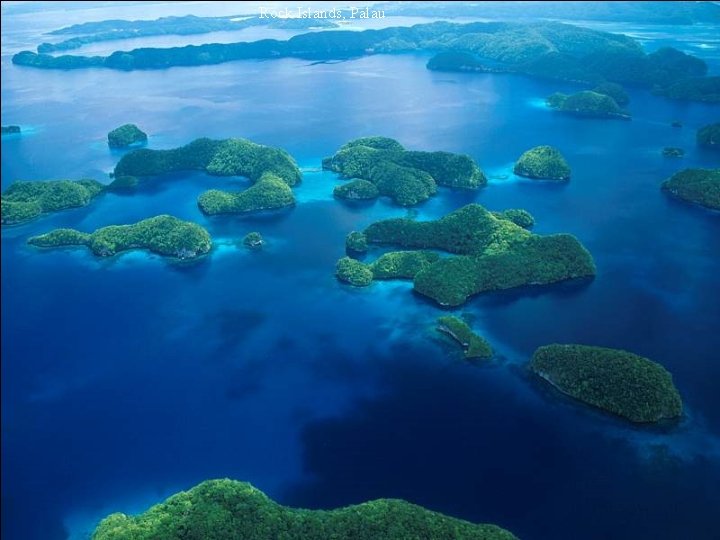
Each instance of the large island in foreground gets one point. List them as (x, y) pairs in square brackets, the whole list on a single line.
[(698, 186), (231, 510)]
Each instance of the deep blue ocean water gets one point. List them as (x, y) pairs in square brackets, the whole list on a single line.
[(125, 380)]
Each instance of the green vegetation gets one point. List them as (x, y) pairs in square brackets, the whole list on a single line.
[(543, 163), (230, 510), (407, 177), (353, 272), (673, 152), (402, 264), (705, 89), (615, 91), (492, 254), (518, 216), (6, 130), (357, 242), (124, 184), (253, 240), (613, 380), (699, 186), (268, 193), (126, 135), (455, 61), (473, 345), (356, 190), (587, 103), (23, 201), (164, 235), (709, 136)]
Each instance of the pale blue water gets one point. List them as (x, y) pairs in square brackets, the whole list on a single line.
[(125, 380)]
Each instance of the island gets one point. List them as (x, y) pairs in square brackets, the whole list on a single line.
[(588, 104), (253, 240), (26, 200), (126, 135), (698, 186), (272, 172), (165, 235), (231, 510), (543, 163), (407, 177), (709, 136), (672, 152), (703, 89), (489, 254), (9, 130), (613, 380), (356, 190), (474, 346), (615, 91), (123, 184), (402, 264), (518, 216), (455, 61), (356, 241)]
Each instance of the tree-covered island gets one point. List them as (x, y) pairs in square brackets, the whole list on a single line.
[(126, 135), (26, 200), (587, 103), (474, 346), (698, 186), (616, 381), (165, 235), (543, 163), (709, 136)]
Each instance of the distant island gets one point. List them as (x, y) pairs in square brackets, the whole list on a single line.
[(164, 235), (698, 186), (23, 201), (126, 135), (672, 152), (709, 136), (616, 381), (540, 49), (474, 346), (407, 177), (272, 170), (227, 510), (488, 254), (7, 130), (543, 163), (704, 89), (587, 103)]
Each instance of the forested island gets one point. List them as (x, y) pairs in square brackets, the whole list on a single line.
[(165, 235), (7, 130), (542, 49), (271, 170), (587, 103), (23, 201), (542, 163), (698, 186), (473, 345), (709, 136), (126, 135), (616, 381), (488, 253), (230, 510), (407, 177)]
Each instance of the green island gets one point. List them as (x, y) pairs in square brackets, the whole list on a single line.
[(253, 240), (271, 170), (488, 254), (24, 200), (357, 242), (518, 216), (615, 91), (473, 345), (543, 163), (704, 89), (125, 135), (588, 104), (456, 61), (698, 186), (231, 510), (356, 190), (123, 184), (165, 235), (616, 381), (8, 130), (709, 136), (672, 152), (407, 177)]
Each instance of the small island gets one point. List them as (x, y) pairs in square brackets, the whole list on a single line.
[(24, 200), (709, 136), (698, 186), (357, 242), (165, 235), (354, 272), (676, 124), (407, 177), (356, 190), (613, 380), (587, 104), (543, 163), (673, 152), (9, 130), (126, 135), (473, 345), (227, 509), (253, 240)]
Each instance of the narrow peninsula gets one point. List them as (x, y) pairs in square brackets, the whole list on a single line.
[(589, 104), (698, 186), (474, 346), (26, 200), (616, 381)]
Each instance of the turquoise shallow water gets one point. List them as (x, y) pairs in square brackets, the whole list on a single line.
[(127, 379)]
